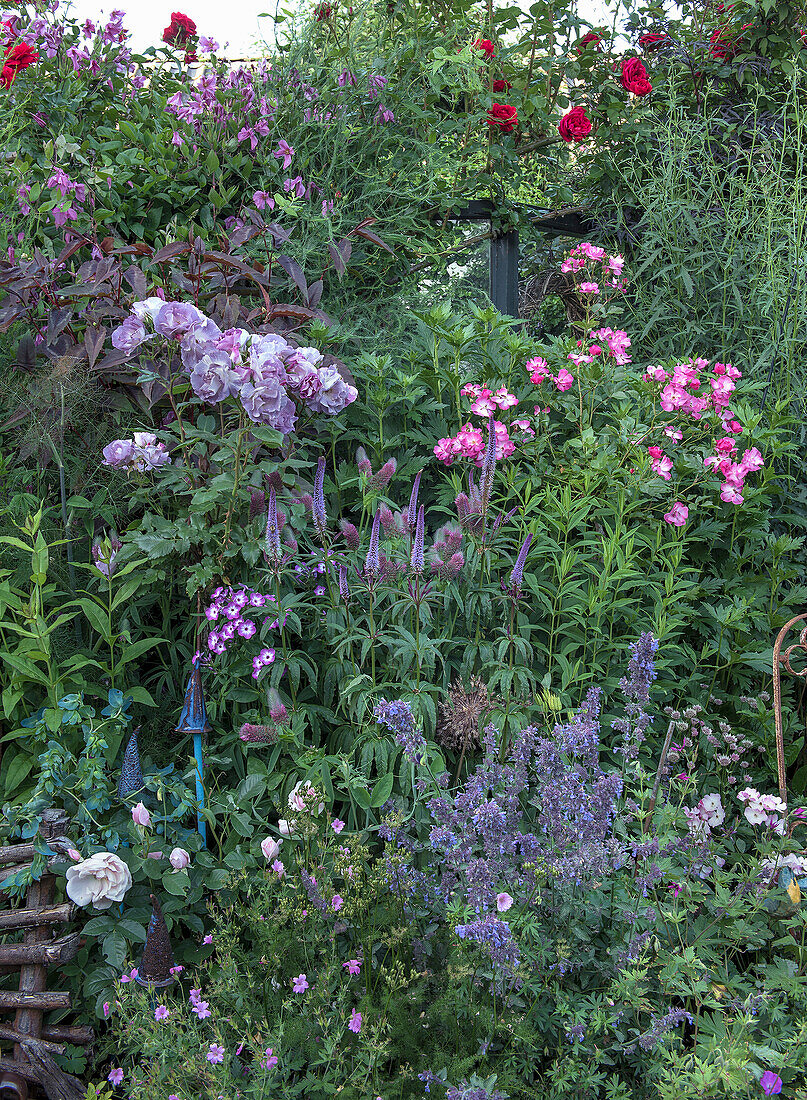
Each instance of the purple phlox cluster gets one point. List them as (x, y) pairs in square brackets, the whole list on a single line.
[(142, 453), (262, 371), (229, 609), (635, 687), (397, 717)]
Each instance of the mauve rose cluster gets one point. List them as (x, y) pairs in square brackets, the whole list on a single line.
[(143, 452), (265, 373)]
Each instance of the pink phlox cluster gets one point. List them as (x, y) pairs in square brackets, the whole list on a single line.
[(764, 809), (707, 815)]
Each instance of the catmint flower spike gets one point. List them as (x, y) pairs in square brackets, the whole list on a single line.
[(416, 562), (412, 511), (488, 468), (517, 576), (272, 552), (318, 505), (372, 563)]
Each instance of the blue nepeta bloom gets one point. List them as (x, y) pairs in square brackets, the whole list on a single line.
[(398, 718), (496, 937)]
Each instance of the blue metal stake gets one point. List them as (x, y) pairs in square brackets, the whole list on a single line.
[(201, 824)]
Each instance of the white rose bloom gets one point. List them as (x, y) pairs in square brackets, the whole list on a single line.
[(100, 880)]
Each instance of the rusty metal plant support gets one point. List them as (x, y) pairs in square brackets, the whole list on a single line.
[(42, 946), (779, 659)]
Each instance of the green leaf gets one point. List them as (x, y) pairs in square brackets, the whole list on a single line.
[(176, 883), (114, 949), (18, 770), (382, 791)]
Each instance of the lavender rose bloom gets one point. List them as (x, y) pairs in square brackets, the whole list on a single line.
[(232, 341), (267, 355), (335, 393), (129, 335), (177, 318), (120, 452), (304, 357), (266, 402), (213, 378), (148, 453)]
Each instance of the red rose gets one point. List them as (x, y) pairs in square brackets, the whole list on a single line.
[(18, 57), (324, 11), (575, 125), (180, 30), (486, 46), (191, 56), (652, 41), (634, 77), (504, 116), (502, 85), (723, 45), (590, 39)]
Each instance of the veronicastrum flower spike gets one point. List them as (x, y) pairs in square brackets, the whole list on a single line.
[(416, 562), (320, 516), (412, 511), (488, 468), (272, 550), (372, 564), (517, 575)]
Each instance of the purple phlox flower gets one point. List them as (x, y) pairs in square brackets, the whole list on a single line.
[(215, 1054), (412, 510), (372, 565), (416, 562), (284, 152), (161, 1013), (318, 504)]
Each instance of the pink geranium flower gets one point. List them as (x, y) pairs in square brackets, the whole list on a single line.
[(677, 515)]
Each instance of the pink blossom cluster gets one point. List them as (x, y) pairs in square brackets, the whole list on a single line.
[(141, 453), (764, 809), (601, 270), (231, 606), (734, 473), (707, 815), (469, 442), (616, 341), (486, 401), (538, 370)]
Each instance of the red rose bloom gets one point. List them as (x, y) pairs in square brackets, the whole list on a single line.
[(503, 116), (652, 41), (502, 85), (723, 46), (18, 57), (180, 30), (486, 46), (634, 77), (324, 11), (590, 39), (575, 125)]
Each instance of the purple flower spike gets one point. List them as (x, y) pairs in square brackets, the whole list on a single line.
[(517, 576), (412, 511), (320, 517), (488, 468), (344, 590), (372, 564), (272, 551), (416, 562)]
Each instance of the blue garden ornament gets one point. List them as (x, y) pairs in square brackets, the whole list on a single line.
[(131, 774), (194, 720)]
